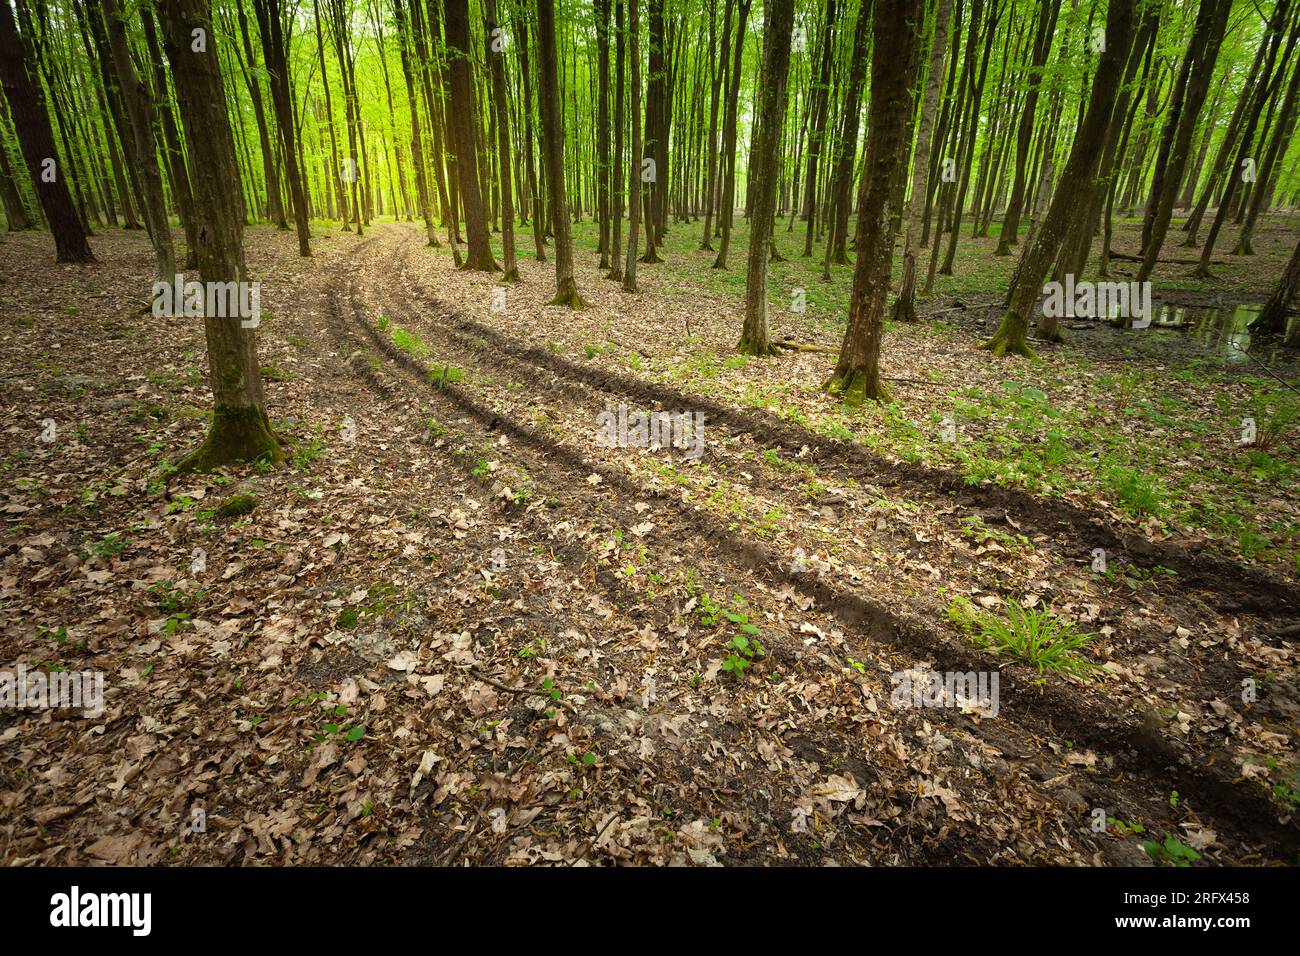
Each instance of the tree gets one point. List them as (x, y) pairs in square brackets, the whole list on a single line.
[(633, 166), (727, 199), (270, 22), (140, 113), (417, 135), (566, 288), (478, 253), (1047, 14), (1202, 52), (819, 107), (1038, 256), (36, 140), (496, 57), (1272, 318), (904, 306), (895, 26), (1262, 92), (240, 430), (763, 162), (616, 189)]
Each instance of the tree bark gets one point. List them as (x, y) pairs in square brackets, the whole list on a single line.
[(895, 27), (566, 288), (32, 125), (763, 167), (240, 429)]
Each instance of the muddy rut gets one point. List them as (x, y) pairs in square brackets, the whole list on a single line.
[(1150, 766)]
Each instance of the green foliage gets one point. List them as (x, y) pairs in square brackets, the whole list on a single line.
[(1172, 852), (1036, 636)]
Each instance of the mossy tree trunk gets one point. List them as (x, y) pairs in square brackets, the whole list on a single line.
[(896, 25), (497, 59), (566, 288), (240, 430), (763, 168), (36, 139), (1272, 318), (904, 306), (1012, 333)]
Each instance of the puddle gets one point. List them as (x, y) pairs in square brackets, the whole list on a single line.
[(1221, 331)]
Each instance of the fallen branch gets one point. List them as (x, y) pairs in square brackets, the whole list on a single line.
[(1175, 262), (800, 347)]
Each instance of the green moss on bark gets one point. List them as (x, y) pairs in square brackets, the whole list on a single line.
[(857, 387), (756, 348), (568, 295), (1011, 338), (236, 435)]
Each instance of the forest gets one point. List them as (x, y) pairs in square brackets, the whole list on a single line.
[(650, 433)]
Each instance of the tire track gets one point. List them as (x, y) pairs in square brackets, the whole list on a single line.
[(1228, 586), (1052, 712)]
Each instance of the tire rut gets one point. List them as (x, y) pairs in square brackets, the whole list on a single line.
[(1050, 712)]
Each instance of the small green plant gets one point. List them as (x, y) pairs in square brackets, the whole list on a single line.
[(345, 731), (1137, 494), (410, 343), (1125, 828), (1173, 852), (442, 375), (1035, 635), (109, 546), (744, 651), (550, 692)]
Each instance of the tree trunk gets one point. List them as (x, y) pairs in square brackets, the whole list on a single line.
[(728, 197), (763, 167), (462, 120), (32, 125), (1012, 333), (1272, 318), (904, 306), (240, 430), (274, 52), (497, 59), (895, 27), (417, 135), (566, 289), (616, 180), (633, 166)]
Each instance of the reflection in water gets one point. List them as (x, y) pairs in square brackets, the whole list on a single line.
[(1221, 330)]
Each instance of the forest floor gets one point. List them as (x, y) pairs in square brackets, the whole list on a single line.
[(456, 628)]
